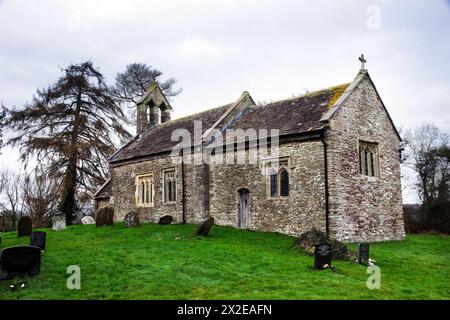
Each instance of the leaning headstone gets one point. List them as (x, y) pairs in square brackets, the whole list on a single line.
[(87, 220), (37, 239), (363, 253), (204, 227), (132, 219), (104, 216), (165, 220), (20, 261), (322, 256), (58, 222), (24, 227)]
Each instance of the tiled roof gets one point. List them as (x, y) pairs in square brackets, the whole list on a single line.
[(158, 138), (294, 115)]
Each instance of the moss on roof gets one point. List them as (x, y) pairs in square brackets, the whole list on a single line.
[(338, 91)]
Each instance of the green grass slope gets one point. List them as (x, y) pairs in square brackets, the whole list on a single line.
[(168, 262)]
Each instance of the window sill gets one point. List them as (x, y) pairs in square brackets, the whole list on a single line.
[(369, 178), (145, 206), (277, 198)]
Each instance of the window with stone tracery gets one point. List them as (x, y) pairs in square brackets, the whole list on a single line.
[(145, 190), (368, 159), (170, 186), (277, 178)]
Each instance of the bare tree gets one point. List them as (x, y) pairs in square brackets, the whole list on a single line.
[(11, 196), (134, 82), (40, 197), (427, 154)]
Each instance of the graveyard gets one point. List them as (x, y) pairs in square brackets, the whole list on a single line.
[(155, 261)]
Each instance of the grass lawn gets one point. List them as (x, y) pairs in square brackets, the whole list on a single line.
[(168, 262)]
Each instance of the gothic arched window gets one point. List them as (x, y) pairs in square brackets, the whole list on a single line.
[(368, 159), (170, 182), (277, 181), (147, 193), (284, 182), (144, 190), (273, 185)]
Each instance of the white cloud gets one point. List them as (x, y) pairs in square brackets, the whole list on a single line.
[(199, 49), (217, 49)]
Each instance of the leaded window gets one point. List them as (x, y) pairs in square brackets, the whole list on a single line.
[(144, 190), (368, 159), (277, 183), (170, 186), (273, 185), (284, 182)]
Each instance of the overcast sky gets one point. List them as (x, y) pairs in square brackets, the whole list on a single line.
[(217, 49)]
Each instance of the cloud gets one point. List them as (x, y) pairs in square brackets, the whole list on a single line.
[(198, 49), (217, 49)]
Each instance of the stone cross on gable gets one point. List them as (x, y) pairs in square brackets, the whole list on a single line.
[(363, 61)]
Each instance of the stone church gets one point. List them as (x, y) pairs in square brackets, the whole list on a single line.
[(338, 166)]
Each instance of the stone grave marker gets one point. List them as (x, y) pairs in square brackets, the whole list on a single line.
[(363, 253), (58, 222), (205, 226), (37, 239), (87, 220), (20, 261), (322, 256), (24, 227), (132, 219), (165, 220)]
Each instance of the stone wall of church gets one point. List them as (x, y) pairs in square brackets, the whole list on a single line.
[(364, 208), (299, 212), (124, 189), (302, 210)]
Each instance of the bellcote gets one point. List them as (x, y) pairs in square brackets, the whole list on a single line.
[(152, 109)]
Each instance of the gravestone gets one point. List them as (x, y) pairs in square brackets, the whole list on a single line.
[(165, 220), (87, 220), (58, 222), (20, 261), (104, 216), (24, 227), (204, 227), (37, 239), (363, 253), (322, 256), (132, 219)]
